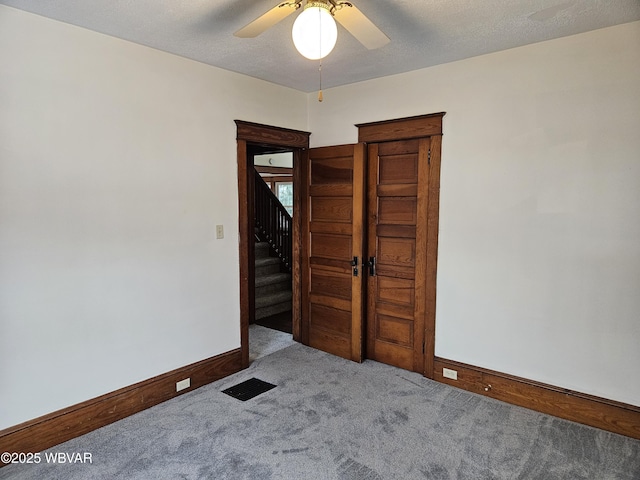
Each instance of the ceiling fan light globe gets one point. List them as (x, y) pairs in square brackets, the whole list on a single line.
[(314, 33)]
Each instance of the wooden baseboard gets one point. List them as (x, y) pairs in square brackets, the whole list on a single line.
[(590, 410), (57, 427)]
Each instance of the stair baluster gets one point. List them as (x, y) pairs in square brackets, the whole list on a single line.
[(273, 221)]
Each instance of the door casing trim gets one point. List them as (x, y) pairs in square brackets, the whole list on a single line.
[(247, 134)]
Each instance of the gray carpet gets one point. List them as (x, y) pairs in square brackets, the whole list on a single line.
[(329, 418), (264, 341)]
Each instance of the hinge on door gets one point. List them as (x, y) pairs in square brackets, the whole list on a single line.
[(429, 157), (423, 347)]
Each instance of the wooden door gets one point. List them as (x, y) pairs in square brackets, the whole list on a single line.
[(397, 239), (334, 219)]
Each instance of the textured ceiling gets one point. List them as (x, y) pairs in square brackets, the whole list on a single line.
[(423, 32)]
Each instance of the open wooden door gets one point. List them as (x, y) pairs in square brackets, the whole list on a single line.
[(332, 302)]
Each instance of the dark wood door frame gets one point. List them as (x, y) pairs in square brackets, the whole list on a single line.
[(250, 134)]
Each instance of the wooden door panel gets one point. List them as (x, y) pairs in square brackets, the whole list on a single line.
[(330, 341), (403, 231), (397, 251), (385, 271), (398, 169), (330, 284), (334, 236), (399, 210), (395, 330), (387, 150), (394, 354), (398, 190), (332, 208), (398, 292), (328, 228), (326, 263), (330, 246), (397, 217), (331, 302), (329, 318), (335, 169), (329, 190)]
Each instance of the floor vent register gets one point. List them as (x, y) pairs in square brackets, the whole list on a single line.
[(248, 389)]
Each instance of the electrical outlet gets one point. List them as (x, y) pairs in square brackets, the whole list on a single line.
[(448, 373), (182, 384), (219, 232)]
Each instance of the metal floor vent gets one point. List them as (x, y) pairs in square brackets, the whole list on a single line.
[(248, 389)]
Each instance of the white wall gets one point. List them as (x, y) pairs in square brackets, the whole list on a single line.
[(116, 163), (539, 253)]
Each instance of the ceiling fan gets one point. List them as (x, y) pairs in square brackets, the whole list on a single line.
[(344, 12)]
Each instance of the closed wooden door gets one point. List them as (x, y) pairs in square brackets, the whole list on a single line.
[(397, 186), (332, 300)]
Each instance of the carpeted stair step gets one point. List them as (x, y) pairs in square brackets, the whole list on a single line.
[(272, 299), (272, 303), (265, 312), (272, 286), (272, 283), (267, 266), (261, 250)]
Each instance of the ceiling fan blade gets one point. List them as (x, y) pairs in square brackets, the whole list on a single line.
[(360, 26), (268, 20)]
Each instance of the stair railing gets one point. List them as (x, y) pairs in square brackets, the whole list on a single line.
[(273, 221)]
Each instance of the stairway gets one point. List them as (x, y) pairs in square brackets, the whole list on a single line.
[(272, 286)]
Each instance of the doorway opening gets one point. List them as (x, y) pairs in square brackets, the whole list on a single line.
[(255, 141), (273, 226)]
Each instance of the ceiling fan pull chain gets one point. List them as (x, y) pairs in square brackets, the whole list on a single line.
[(320, 73), (320, 67)]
